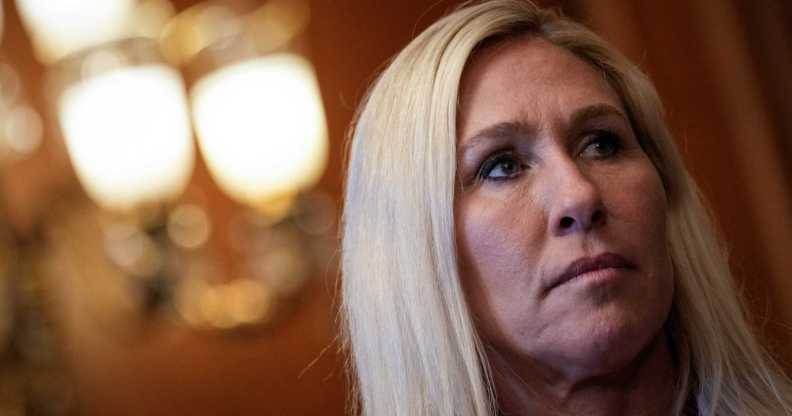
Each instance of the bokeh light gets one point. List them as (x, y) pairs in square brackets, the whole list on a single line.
[(132, 250), (277, 23), (261, 128), (150, 18), (22, 130), (195, 29), (286, 269), (188, 226), (248, 301), (21, 127), (62, 27), (240, 302), (128, 135)]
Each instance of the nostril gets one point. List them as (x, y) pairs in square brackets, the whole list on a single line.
[(597, 217), (567, 222)]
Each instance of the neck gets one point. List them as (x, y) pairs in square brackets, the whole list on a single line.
[(644, 387)]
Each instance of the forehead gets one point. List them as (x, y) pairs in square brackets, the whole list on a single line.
[(527, 79)]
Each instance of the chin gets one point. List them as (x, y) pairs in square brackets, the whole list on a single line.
[(603, 342)]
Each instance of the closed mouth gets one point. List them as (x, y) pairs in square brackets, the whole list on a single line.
[(590, 264)]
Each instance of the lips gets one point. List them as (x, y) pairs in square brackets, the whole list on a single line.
[(590, 264)]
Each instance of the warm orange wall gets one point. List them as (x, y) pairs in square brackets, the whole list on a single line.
[(173, 372)]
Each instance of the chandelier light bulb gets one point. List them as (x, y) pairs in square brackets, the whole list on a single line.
[(261, 128), (128, 135), (61, 27)]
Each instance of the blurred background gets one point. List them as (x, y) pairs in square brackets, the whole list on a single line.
[(171, 170)]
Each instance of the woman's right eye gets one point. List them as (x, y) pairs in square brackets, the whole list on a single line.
[(500, 167)]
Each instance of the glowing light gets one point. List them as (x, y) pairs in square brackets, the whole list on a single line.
[(261, 128), (128, 135), (286, 270), (132, 250), (248, 301), (212, 306), (101, 61), (240, 302), (195, 29), (188, 299), (278, 22), (188, 226), (150, 18), (22, 130), (61, 27)]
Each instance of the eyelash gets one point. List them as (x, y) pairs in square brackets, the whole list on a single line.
[(599, 137), (606, 137), (494, 161)]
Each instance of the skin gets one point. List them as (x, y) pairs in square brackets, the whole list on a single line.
[(550, 171)]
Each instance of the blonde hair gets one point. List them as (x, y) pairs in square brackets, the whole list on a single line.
[(413, 345)]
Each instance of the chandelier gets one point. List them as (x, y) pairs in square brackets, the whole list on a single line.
[(130, 84)]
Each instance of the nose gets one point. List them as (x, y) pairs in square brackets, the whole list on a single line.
[(576, 202)]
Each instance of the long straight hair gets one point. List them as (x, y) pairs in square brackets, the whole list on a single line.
[(414, 348)]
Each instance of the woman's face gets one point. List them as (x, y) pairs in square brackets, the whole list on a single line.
[(560, 215)]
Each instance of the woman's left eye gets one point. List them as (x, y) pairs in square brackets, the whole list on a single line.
[(602, 145)]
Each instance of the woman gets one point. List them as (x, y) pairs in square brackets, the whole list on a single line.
[(521, 237)]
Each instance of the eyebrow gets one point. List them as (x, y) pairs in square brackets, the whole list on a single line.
[(510, 129)]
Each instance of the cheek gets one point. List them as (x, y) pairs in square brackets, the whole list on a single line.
[(485, 240), (497, 250), (637, 199), (639, 211)]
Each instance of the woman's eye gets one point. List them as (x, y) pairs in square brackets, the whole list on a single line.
[(500, 167), (603, 145)]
